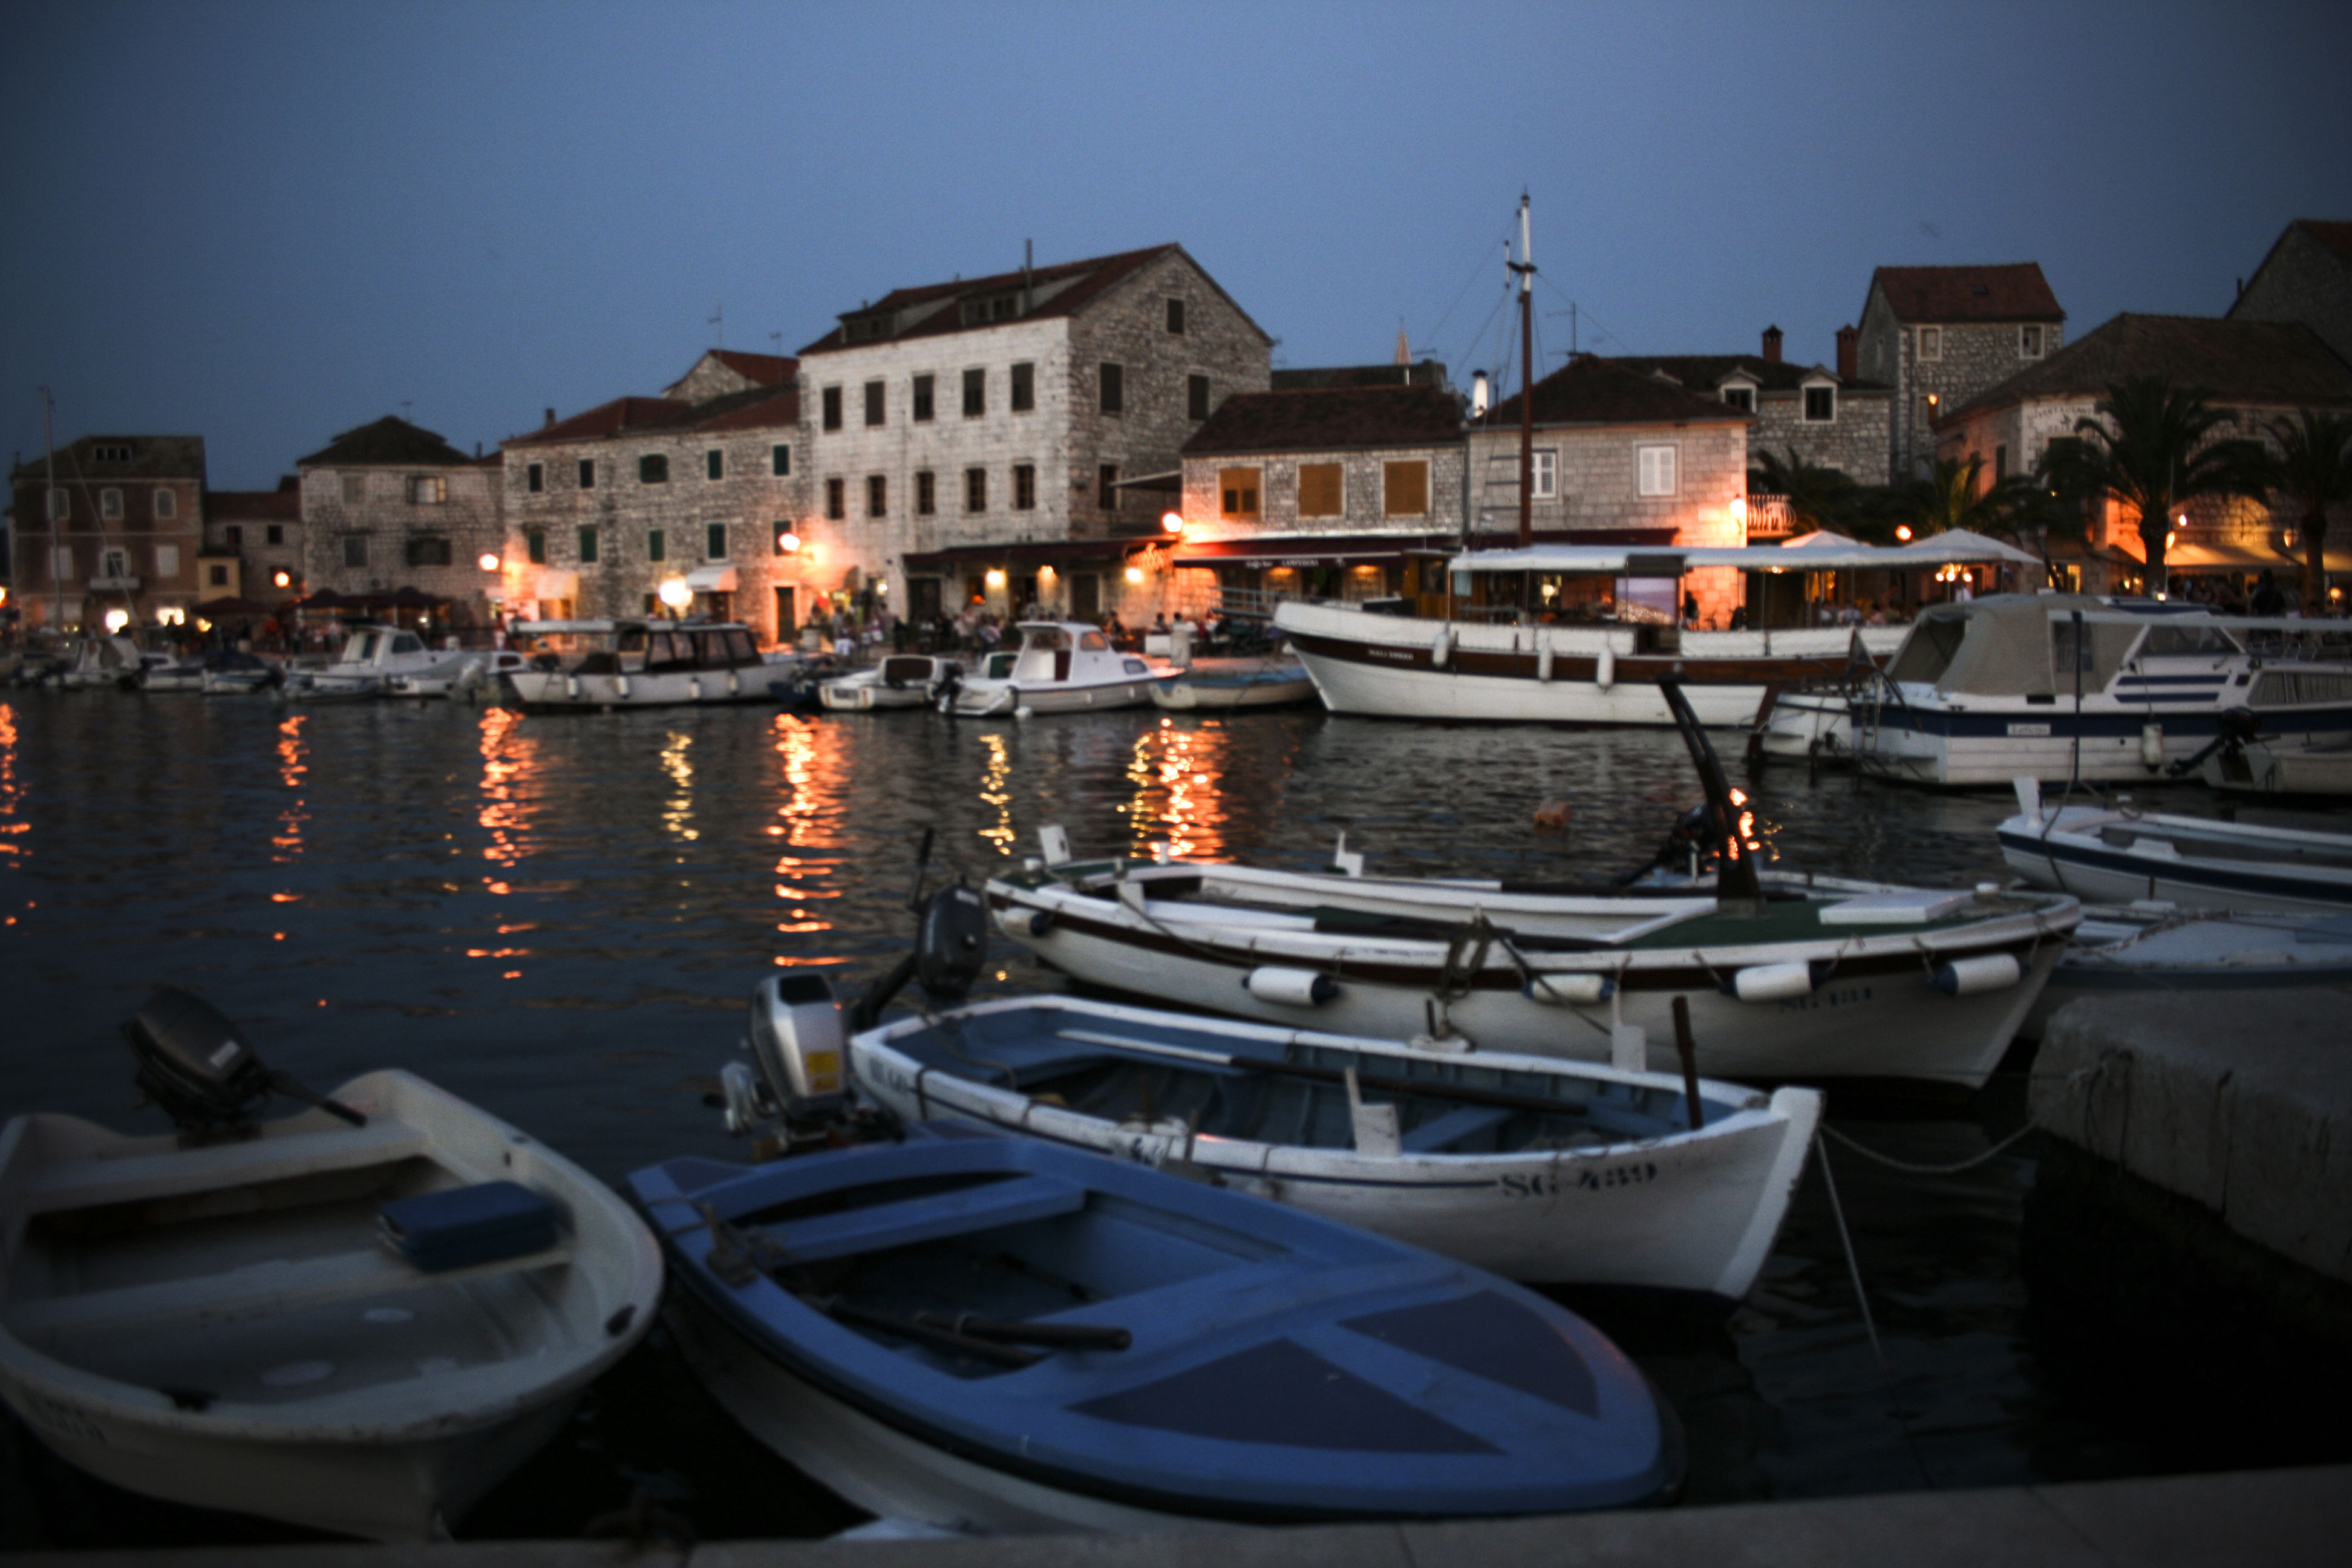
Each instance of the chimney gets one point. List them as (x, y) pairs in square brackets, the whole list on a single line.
[(1403, 348), (551, 418), (1849, 355), (1771, 345)]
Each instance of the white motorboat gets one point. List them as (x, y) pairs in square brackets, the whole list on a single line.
[(1535, 1168), (2060, 686), (372, 657), (1061, 667), (215, 1317), (648, 664), (2155, 947), (2114, 854), (239, 675), (105, 659), (1228, 683), (900, 680), (461, 676), (1828, 979), (1497, 661)]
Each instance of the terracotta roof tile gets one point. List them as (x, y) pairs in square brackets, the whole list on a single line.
[(391, 441), (937, 303), (2015, 292), (622, 416), (1702, 372), (764, 369), (1329, 419), (1589, 390), (763, 408), (265, 506), (2276, 364)]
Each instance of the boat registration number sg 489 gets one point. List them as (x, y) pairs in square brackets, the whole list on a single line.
[(1551, 1183), (1840, 996)]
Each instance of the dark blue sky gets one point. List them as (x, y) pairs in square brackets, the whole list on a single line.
[(266, 223)]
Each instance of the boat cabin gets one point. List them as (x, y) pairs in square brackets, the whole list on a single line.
[(2039, 647), (370, 645), (641, 648), (1065, 651)]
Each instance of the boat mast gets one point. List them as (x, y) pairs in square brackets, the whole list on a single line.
[(49, 510), (1526, 268)]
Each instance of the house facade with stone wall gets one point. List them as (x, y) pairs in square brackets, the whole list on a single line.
[(1938, 336), (252, 538), (389, 505), (108, 523), (1336, 491), (981, 438), (2306, 277), (607, 507), (2254, 370), (1832, 419), (1621, 457)]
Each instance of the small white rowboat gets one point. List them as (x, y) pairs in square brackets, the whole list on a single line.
[(218, 1324), (1532, 1167)]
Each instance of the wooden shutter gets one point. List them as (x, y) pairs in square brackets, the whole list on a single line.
[(1408, 489), (1321, 490)]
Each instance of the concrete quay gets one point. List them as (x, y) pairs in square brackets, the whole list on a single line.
[(2240, 1103), (2275, 1519)]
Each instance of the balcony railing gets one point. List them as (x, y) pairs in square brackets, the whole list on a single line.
[(1767, 516)]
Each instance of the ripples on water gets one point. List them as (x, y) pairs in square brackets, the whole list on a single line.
[(558, 918)]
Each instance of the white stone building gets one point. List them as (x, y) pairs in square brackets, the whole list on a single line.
[(985, 438), (1939, 335)]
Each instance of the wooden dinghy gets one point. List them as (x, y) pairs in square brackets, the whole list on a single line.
[(1533, 1167), (998, 1334), (216, 1317)]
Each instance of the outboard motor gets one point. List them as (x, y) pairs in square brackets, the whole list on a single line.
[(799, 1033), (195, 1064), (2237, 726), (944, 689)]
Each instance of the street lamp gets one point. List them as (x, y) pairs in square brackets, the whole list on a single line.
[(489, 561), (675, 593), (1173, 521)]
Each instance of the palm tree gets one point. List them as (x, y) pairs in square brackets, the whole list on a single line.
[(1821, 496), (2153, 447), (2311, 472), (1947, 498)]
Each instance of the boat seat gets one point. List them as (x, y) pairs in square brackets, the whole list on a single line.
[(1453, 1127), (258, 1291), (179, 1173), (929, 1218)]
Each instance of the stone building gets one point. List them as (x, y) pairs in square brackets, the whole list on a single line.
[(1621, 457), (388, 506), (700, 486), (253, 545), (1333, 489), (2306, 277), (1831, 418), (1008, 438), (2255, 370), (108, 523), (1939, 335)]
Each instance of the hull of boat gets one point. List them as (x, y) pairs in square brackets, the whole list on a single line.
[(2096, 872), (992, 699), (1990, 743), (669, 688), (881, 1470), (843, 697), (291, 1366), (2147, 954), (1183, 695), (1685, 1211), (2274, 770)]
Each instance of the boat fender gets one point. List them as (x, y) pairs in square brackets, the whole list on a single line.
[(1776, 982), (1987, 971), (734, 684), (2151, 746), (1543, 664), (1290, 987), (572, 686), (1569, 990), (1604, 669), (621, 684), (693, 687), (1441, 651), (1020, 924)]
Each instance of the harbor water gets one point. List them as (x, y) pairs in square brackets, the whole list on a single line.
[(558, 918)]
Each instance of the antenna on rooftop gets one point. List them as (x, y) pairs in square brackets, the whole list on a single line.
[(718, 325)]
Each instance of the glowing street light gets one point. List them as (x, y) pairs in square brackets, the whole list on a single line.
[(1173, 521), (1903, 531), (1135, 573), (116, 620), (675, 593), (282, 580), (489, 561), (996, 576), (788, 544)]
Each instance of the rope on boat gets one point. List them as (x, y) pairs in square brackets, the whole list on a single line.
[(1892, 1163), (1853, 1265)]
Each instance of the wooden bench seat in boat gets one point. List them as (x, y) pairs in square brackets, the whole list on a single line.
[(256, 1289), (928, 1219), (177, 1173)]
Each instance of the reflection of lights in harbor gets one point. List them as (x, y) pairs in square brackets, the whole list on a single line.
[(996, 790), (806, 818), (506, 753), (11, 825), (1178, 808), (678, 814), (292, 765)]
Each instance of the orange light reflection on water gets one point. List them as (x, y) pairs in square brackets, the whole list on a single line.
[(812, 786), (996, 790), (12, 825), (293, 766), (1177, 773), (508, 753)]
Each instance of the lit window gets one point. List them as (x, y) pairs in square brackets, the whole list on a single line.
[(1655, 470)]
